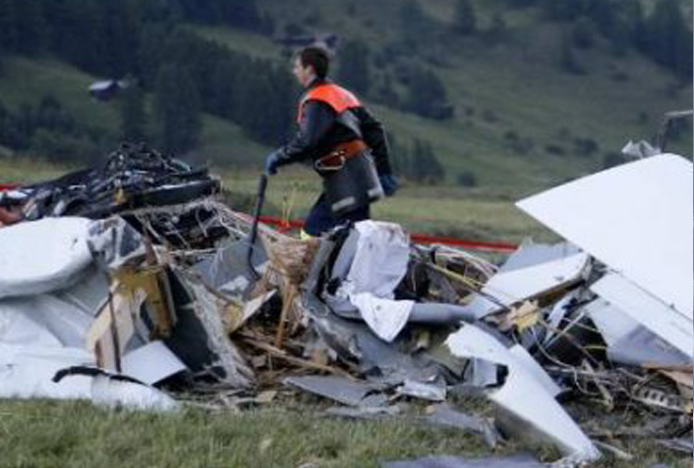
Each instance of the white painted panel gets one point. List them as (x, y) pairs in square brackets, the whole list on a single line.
[(42, 256), (613, 324), (647, 310), (27, 372), (515, 285), (151, 363), (637, 218), (525, 393)]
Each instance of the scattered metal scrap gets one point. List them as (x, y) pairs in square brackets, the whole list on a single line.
[(518, 461), (149, 287)]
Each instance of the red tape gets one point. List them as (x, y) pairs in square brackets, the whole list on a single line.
[(284, 225)]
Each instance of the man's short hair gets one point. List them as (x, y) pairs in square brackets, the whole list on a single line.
[(318, 58)]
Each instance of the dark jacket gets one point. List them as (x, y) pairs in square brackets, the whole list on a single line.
[(321, 129)]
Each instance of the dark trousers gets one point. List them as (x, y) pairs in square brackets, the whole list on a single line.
[(321, 218)]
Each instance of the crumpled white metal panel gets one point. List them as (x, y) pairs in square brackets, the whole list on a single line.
[(636, 218), (42, 256), (525, 393)]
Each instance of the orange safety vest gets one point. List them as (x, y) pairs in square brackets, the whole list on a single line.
[(333, 95)]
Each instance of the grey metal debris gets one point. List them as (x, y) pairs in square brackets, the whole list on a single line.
[(530, 408), (379, 361), (340, 389), (207, 309), (641, 346), (223, 271), (445, 415), (518, 461), (174, 297), (433, 391)]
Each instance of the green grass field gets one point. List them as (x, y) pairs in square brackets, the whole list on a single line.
[(434, 210), (44, 434)]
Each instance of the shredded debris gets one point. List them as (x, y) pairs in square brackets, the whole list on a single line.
[(128, 284)]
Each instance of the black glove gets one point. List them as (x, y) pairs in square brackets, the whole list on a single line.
[(389, 183), (273, 161)]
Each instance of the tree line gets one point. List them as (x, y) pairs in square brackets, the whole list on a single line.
[(48, 128), (663, 34), (185, 75), (144, 41)]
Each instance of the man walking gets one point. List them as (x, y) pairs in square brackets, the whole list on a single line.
[(346, 145)]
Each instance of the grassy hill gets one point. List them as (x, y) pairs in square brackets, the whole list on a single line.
[(506, 94), (519, 122), (26, 81)]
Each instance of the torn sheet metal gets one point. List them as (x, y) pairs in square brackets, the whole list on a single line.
[(524, 396), (43, 256), (472, 342), (31, 373), (66, 313), (530, 254), (151, 363), (523, 282), (43, 320), (27, 372), (642, 347), (386, 317), (531, 366), (114, 243), (376, 266), (352, 341), (432, 391), (558, 314), (483, 374), (45, 373), (380, 260), (89, 294), (636, 218), (518, 461), (226, 270), (199, 337), (443, 414), (648, 310), (320, 259), (340, 389), (613, 324), (42, 334)]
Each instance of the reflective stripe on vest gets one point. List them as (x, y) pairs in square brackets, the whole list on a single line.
[(333, 95)]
